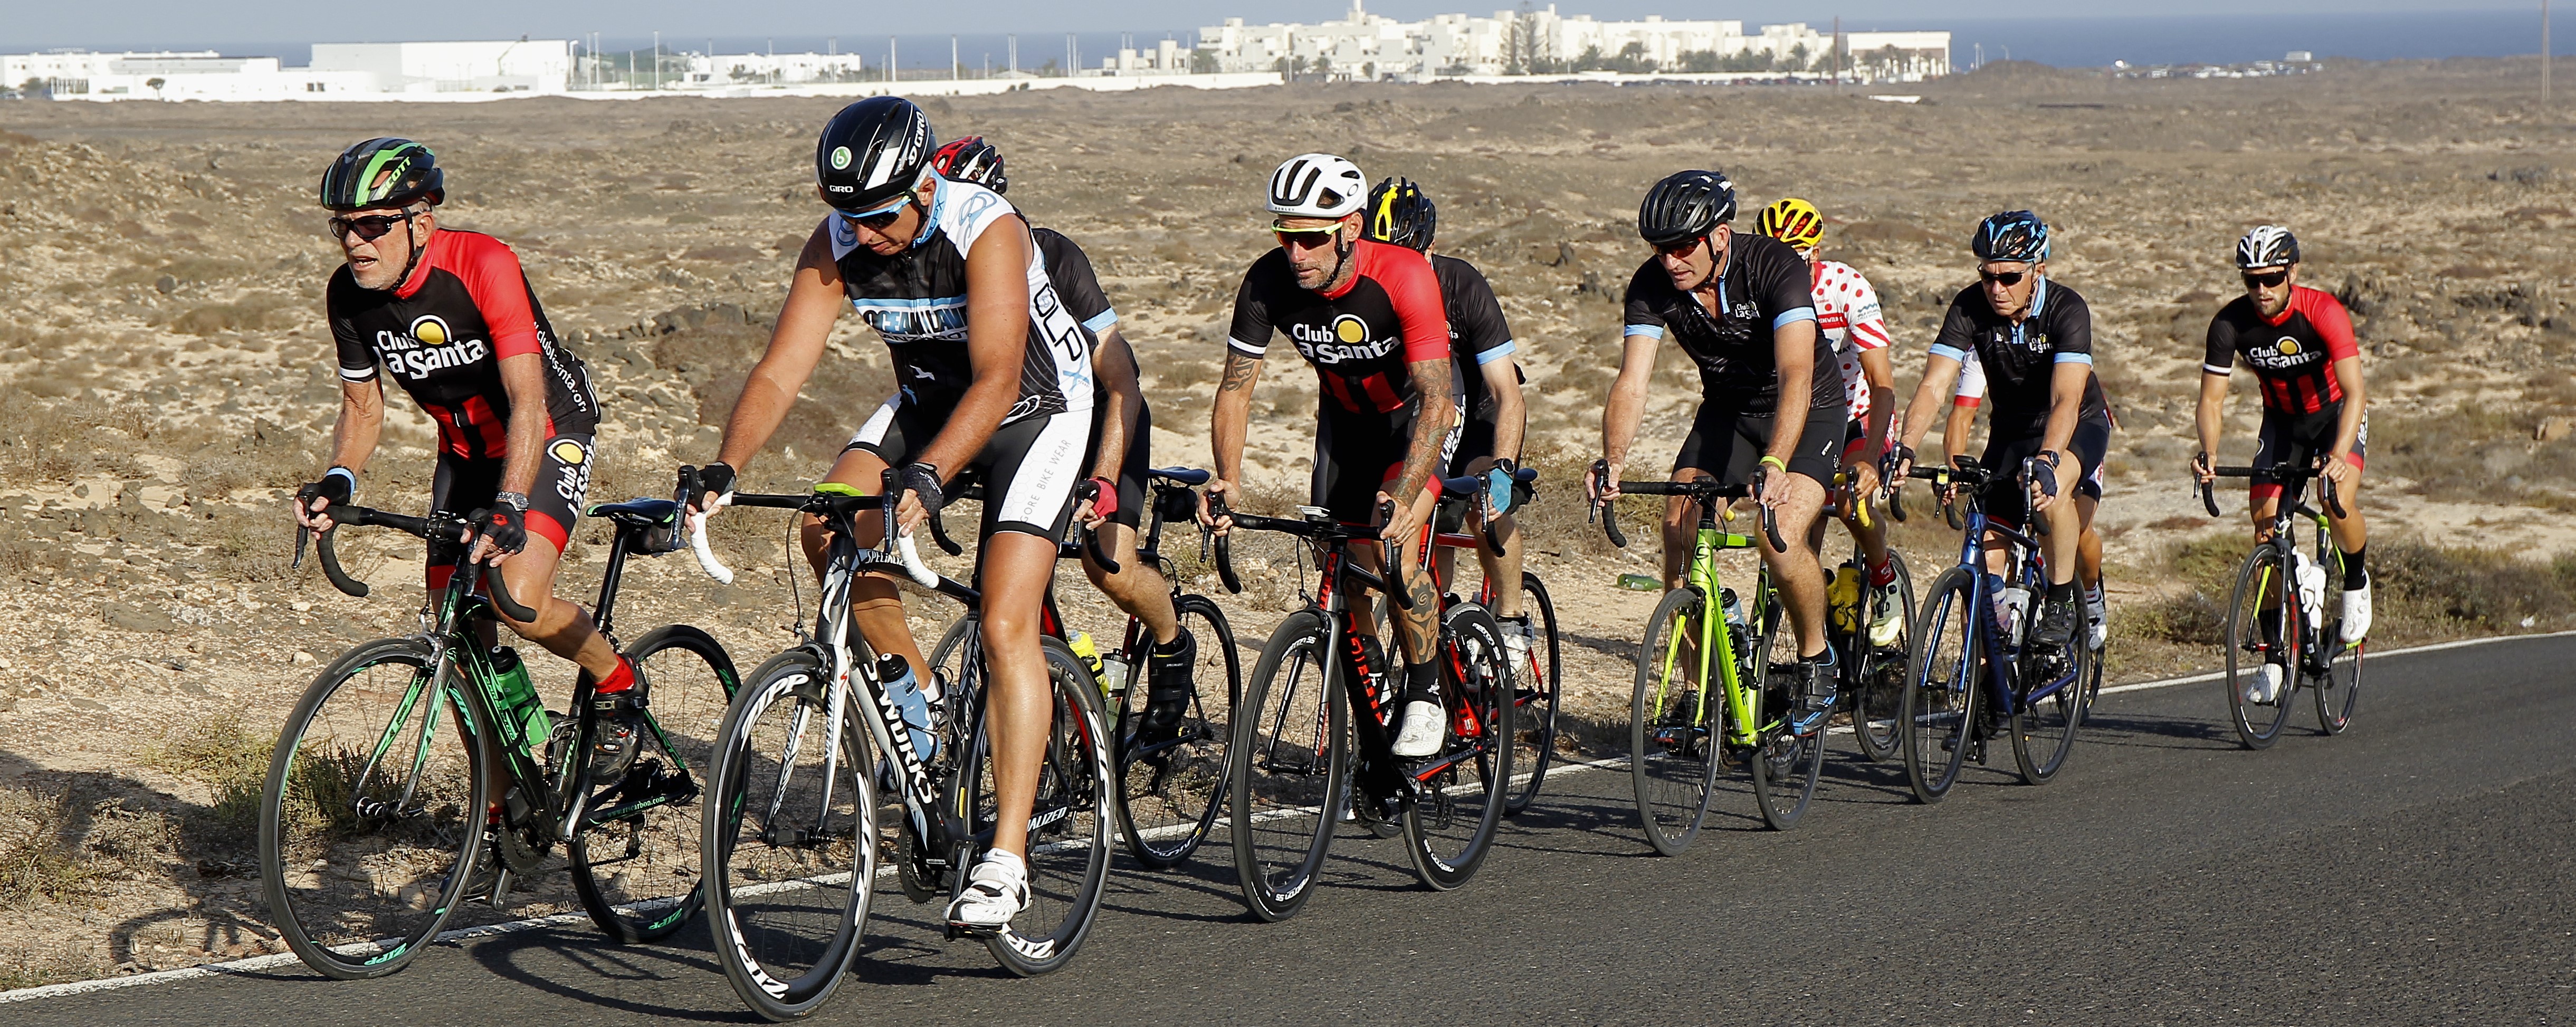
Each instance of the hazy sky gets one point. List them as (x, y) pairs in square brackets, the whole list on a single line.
[(34, 24)]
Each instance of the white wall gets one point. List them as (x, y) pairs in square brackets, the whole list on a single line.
[(535, 65)]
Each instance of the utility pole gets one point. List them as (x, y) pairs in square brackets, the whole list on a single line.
[(955, 70), (2544, 53), (892, 69), (657, 60), (1838, 55), (1014, 61), (1072, 55)]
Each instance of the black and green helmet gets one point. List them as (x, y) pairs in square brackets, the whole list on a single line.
[(384, 172)]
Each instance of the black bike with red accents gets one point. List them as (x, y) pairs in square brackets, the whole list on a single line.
[(1315, 730), (1538, 675)]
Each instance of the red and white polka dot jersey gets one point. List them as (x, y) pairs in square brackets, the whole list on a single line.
[(1847, 312)]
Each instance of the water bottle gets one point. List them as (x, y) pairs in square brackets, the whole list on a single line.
[(519, 700), (1842, 598), (1641, 583), (2312, 585), (895, 673), (1732, 607), (2009, 606), (1113, 673), (1082, 647)]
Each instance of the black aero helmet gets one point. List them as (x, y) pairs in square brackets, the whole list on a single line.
[(971, 159), (2267, 246), (1398, 213), (382, 172), (2014, 237), (1685, 205), (872, 153)]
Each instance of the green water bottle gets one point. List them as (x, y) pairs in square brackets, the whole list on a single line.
[(1641, 583), (519, 695)]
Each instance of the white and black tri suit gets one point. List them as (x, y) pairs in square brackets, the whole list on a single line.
[(916, 300)]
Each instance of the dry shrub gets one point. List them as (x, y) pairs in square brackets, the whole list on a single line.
[(253, 545), (715, 357), (26, 968), (2444, 590), (37, 865), (266, 456), (229, 758), (224, 317), (66, 438)]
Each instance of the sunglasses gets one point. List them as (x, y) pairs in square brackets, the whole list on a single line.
[(2007, 279), (369, 228), (879, 221), (1313, 240), (1679, 249), (2267, 281)]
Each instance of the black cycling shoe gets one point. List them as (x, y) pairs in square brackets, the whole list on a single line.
[(1167, 690), (2056, 623), (618, 734), (1819, 681)]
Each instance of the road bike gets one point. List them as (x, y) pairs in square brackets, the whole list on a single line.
[(1872, 676), (2305, 638), (1315, 729), (1171, 790), (1704, 693), (794, 849), (1972, 678), (1538, 680), (384, 793)]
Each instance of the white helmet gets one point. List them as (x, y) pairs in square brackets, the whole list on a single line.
[(1317, 185)]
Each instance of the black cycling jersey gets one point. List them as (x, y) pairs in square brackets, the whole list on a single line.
[(1080, 287), (1478, 333), (2020, 358), (1075, 283), (916, 300), (1764, 287), (1362, 339)]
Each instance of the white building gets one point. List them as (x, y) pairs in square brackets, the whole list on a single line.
[(173, 75), (1367, 46), (503, 66), (753, 69)]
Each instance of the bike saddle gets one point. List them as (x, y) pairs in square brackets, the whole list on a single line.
[(642, 513), (1189, 476)]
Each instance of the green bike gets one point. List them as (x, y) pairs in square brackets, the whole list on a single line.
[(382, 812), (1704, 692)]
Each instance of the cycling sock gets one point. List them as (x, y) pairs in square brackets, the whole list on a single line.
[(2061, 592), (1884, 574), (1422, 682), (1172, 648), (2354, 578), (2093, 593), (618, 680)]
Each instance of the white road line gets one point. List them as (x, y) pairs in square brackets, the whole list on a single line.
[(264, 964)]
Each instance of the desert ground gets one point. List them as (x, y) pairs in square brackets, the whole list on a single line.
[(166, 376)]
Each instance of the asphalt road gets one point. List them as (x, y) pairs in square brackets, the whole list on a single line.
[(2420, 869)]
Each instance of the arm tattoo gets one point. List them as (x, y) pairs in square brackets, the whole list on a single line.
[(1433, 417), (1239, 373)]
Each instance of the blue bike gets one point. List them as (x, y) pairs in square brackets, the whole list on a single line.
[(1971, 677)]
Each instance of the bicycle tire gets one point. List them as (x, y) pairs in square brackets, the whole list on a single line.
[(324, 761), (1784, 767), (2338, 690), (787, 903), (1938, 713), (2043, 732), (1288, 767), (689, 682), (1072, 821), (1882, 677), (1672, 731), (1534, 723), (1169, 794), (2266, 570), (1449, 829)]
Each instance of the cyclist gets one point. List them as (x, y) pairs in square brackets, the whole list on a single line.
[(450, 317), (2088, 551), (1122, 428), (1497, 415), (1847, 312), (1772, 407), (2299, 343), (1368, 316), (994, 377), (2033, 340)]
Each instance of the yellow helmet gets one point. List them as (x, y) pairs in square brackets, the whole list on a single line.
[(1793, 221)]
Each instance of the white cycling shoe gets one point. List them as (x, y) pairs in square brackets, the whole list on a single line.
[(1890, 624), (2265, 689), (1517, 635), (2356, 614), (1423, 730), (996, 890), (2098, 610)]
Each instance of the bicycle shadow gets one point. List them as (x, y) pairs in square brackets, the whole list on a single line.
[(2154, 732), (550, 960)]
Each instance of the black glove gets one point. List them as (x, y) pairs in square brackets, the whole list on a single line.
[(716, 478), (923, 480), (337, 485), (507, 529), (1899, 454)]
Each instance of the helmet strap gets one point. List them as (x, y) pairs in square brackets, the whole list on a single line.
[(1342, 250), (1716, 262), (412, 264)]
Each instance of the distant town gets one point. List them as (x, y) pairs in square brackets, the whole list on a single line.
[(1359, 47)]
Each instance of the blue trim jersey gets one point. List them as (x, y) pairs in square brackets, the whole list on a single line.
[(1478, 334), (1764, 287), (2019, 358), (916, 300)]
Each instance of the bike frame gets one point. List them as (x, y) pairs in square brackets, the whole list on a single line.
[(1715, 644), (2026, 562)]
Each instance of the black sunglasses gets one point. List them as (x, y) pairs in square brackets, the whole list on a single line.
[(2007, 279), (877, 222), (1315, 240), (2268, 281), (369, 228), (1682, 248)]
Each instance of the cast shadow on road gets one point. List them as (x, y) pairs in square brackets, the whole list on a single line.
[(2153, 732), (584, 966)]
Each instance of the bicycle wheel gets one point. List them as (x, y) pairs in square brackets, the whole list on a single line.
[(1938, 711), (791, 854), (2262, 627), (1882, 676), (369, 820), (2043, 730), (1169, 793), (1070, 822), (1449, 828), (1288, 766), (1672, 725), (1785, 768), (1535, 689), (638, 875), (2338, 690)]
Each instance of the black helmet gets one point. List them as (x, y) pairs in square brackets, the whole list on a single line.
[(871, 153), (1686, 205), (2014, 237), (1398, 213), (971, 159), (384, 172), (2267, 246)]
